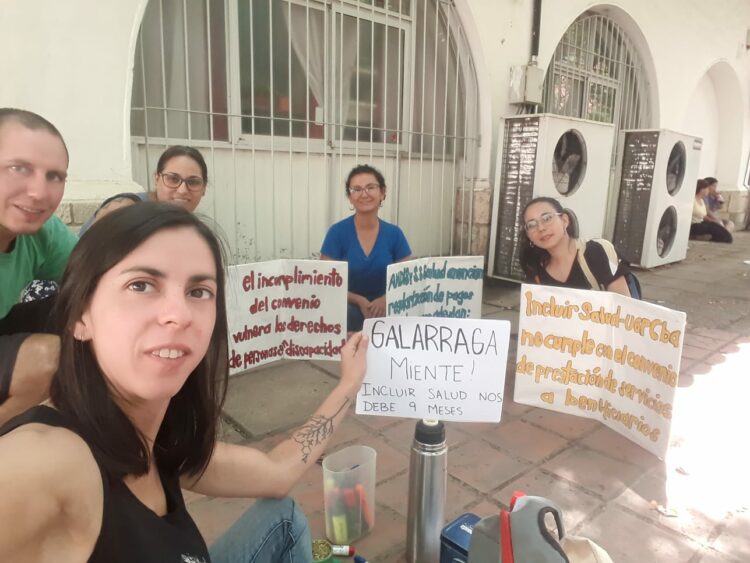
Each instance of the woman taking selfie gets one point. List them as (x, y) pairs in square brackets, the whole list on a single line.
[(96, 474)]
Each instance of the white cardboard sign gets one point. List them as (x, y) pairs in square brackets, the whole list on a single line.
[(602, 356), (446, 369), (448, 287), (285, 309)]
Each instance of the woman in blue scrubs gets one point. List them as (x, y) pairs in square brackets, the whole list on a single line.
[(367, 243)]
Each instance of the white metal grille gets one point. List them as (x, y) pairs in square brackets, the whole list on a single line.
[(285, 96), (596, 73)]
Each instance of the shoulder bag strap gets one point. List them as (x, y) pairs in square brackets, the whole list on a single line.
[(609, 248), (581, 246)]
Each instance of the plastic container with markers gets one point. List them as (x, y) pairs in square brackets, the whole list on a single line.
[(349, 492)]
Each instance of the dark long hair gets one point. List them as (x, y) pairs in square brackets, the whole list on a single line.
[(701, 184), (182, 150), (365, 169), (80, 391), (532, 258)]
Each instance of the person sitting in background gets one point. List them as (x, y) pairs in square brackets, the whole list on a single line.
[(96, 474), (702, 226), (180, 178), (367, 243), (549, 251), (714, 202), (34, 244)]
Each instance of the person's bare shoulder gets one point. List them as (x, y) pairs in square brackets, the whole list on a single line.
[(51, 489)]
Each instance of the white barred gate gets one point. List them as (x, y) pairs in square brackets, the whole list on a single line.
[(283, 97)]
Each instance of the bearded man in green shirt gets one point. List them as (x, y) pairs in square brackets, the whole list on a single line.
[(34, 245)]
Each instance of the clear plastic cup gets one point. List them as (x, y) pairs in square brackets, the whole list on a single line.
[(349, 493)]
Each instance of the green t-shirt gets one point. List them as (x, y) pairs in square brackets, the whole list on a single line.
[(41, 256)]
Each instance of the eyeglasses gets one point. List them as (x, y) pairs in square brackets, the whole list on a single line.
[(358, 191), (544, 219), (173, 181)]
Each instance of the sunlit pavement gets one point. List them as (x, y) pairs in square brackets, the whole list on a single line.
[(709, 435), (692, 507)]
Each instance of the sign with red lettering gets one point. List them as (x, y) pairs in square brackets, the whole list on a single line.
[(285, 309), (430, 367)]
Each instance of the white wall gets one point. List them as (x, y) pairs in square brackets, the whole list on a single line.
[(291, 220), (71, 61), (503, 29), (702, 120), (679, 41)]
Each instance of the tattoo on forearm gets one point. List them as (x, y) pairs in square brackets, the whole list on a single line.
[(315, 431)]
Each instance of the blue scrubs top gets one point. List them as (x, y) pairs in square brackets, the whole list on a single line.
[(367, 274)]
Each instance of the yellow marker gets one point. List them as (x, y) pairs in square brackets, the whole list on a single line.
[(340, 530)]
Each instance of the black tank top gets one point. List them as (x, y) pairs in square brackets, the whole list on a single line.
[(131, 532)]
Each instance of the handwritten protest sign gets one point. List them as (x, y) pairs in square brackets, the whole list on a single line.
[(448, 369), (436, 287), (285, 309), (603, 356)]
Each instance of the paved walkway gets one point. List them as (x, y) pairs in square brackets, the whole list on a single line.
[(692, 507)]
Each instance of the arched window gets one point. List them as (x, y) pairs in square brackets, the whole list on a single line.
[(596, 73)]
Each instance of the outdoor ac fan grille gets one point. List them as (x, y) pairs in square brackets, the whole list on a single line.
[(521, 139), (636, 182)]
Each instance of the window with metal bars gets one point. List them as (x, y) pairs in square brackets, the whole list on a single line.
[(281, 83), (180, 80), (346, 71), (597, 74), (369, 57), (286, 52)]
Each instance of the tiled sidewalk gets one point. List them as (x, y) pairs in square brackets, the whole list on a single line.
[(692, 507)]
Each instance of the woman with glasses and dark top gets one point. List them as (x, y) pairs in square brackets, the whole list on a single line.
[(549, 251), (367, 243), (95, 474), (180, 178)]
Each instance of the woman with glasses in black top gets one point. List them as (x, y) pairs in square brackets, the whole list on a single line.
[(549, 251), (180, 178)]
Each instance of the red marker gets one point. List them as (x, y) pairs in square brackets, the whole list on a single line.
[(350, 500), (343, 550), (364, 506)]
